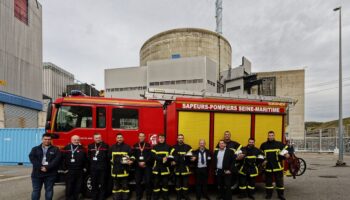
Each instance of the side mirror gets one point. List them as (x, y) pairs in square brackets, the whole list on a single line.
[(55, 136)]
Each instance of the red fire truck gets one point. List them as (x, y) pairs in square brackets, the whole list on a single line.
[(195, 118)]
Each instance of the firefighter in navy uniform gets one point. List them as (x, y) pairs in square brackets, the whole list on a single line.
[(143, 169), (182, 160), (230, 144), (274, 152), (162, 156), (251, 157), (98, 163), (75, 162), (121, 158)]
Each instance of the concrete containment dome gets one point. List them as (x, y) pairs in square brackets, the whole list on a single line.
[(187, 42)]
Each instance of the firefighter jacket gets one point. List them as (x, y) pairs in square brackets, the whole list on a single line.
[(119, 154), (142, 152), (253, 157), (233, 145), (273, 152), (74, 157), (160, 151), (182, 157), (98, 156)]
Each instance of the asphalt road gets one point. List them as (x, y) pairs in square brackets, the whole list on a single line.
[(321, 181)]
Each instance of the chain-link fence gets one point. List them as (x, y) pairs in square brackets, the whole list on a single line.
[(322, 140)]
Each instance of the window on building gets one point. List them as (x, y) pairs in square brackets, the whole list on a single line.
[(233, 88), (21, 10), (268, 86), (125, 118), (70, 117), (100, 117)]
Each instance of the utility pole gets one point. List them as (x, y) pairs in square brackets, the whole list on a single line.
[(340, 161)]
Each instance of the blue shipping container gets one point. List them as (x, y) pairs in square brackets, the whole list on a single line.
[(16, 143)]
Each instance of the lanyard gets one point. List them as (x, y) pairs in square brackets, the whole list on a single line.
[(45, 151), (97, 149), (73, 151), (141, 149)]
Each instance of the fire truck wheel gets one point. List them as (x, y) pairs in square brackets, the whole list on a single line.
[(87, 188)]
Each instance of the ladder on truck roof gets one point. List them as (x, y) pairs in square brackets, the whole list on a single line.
[(172, 94)]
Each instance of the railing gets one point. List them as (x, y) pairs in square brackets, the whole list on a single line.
[(321, 143)]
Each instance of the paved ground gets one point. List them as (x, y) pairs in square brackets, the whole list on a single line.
[(321, 181)]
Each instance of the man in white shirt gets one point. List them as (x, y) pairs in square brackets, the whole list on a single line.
[(224, 160)]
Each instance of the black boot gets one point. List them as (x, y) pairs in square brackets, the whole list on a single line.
[(242, 194), (178, 195), (156, 196), (268, 194), (251, 194), (280, 194)]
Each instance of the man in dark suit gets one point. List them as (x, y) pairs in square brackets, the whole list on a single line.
[(224, 160), (45, 159), (201, 159)]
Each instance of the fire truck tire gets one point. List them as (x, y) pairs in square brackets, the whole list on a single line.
[(87, 187)]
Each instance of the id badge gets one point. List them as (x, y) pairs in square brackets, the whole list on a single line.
[(46, 163), (209, 158), (141, 158), (72, 160), (94, 158)]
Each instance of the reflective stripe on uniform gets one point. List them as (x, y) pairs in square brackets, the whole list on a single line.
[(184, 188), (279, 188), (251, 188), (116, 191), (242, 187), (165, 173), (156, 190), (125, 191), (250, 157), (274, 170), (162, 152), (165, 189), (177, 189), (269, 187)]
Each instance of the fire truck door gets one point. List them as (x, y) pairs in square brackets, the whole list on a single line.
[(194, 126), (238, 124), (266, 123)]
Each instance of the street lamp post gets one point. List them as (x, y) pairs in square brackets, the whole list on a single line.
[(340, 161)]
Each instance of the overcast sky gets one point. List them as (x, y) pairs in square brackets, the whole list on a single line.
[(87, 36)]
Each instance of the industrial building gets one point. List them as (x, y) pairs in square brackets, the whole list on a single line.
[(55, 80), (199, 60), (289, 83), (87, 89), (195, 74), (20, 63)]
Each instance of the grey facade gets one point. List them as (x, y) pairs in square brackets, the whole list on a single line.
[(289, 83), (21, 51), (55, 80), (195, 74), (20, 63)]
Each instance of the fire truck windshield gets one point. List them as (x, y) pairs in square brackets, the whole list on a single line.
[(70, 117)]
